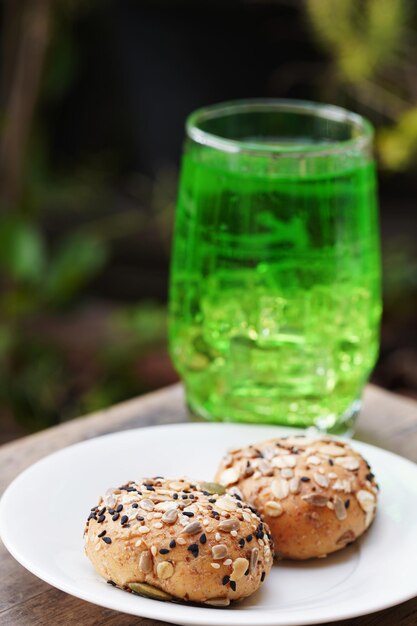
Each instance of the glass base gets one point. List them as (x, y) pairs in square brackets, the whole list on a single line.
[(328, 424)]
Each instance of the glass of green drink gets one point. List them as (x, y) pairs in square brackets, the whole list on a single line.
[(275, 278)]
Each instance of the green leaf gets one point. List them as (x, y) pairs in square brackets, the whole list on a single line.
[(22, 252), (77, 261)]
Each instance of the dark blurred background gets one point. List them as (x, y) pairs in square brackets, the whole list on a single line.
[(94, 95)]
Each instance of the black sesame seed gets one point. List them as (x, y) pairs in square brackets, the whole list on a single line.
[(185, 497), (225, 580), (131, 489), (119, 508), (188, 513), (191, 496), (94, 508), (91, 516), (203, 538), (101, 518), (249, 537), (172, 543), (239, 505), (305, 479), (107, 540), (115, 517), (347, 503), (139, 492), (232, 585), (124, 519), (140, 518), (135, 505), (206, 493), (331, 462), (193, 548), (215, 512), (263, 577), (150, 488), (102, 511), (175, 496), (163, 551), (212, 500), (111, 511), (242, 543), (247, 572), (103, 532), (260, 534), (370, 476), (112, 583)]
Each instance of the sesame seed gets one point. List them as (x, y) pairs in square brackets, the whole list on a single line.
[(119, 508), (305, 479), (203, 538), (172, 543), (263, 577), (140, 518), (331, 462), (215, 565), (111, 511), (370, 476), (115, 517), (124, 519), (233, 585), (135, 505), (163, 551), (110, 582), (103, 532), (175, 496), (107, 540), (101, 518), (249, 537), (102, 511), (212, 500), (188, 513), (347, 503), (225, 580), (242, 543)]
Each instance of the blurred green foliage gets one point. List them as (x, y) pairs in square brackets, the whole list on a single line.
[(371, 44)]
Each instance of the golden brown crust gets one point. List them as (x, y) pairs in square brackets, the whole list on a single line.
[(180, 537), (316, 494)]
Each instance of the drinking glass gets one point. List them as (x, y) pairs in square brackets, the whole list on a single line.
[(275, 276)]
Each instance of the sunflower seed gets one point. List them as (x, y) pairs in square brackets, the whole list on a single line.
[(219, 552), (229, 525), (254, 554), (315, 499), (339, 508), (193, 528), (145, 562), (170, 516)]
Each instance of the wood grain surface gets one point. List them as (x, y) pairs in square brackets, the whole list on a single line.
[(386, 420)]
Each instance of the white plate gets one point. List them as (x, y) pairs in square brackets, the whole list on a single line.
[(42, 516)]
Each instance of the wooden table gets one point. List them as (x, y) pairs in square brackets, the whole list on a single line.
[(386, 420)]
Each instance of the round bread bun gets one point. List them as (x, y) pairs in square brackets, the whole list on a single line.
[(316, 494), (173, 539)]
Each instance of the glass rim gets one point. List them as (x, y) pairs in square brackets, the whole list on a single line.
[(331, 112)]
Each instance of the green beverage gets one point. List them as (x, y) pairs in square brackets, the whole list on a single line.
[(275, 285)]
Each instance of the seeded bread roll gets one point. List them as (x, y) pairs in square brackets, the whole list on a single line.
[(316, 495), (178, 540)]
